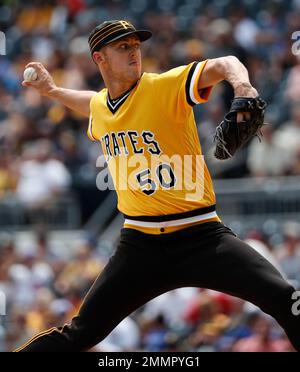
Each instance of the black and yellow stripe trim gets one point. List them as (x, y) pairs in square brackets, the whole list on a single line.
[(45, 333), (188, 84), (90, 130), (114, 105), (193, 94)]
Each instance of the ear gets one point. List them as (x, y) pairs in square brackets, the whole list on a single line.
[(98, 57)]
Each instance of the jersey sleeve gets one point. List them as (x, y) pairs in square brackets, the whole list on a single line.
[(177, 89), (90, 133)]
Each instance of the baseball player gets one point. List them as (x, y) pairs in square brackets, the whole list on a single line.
[(172, 237)]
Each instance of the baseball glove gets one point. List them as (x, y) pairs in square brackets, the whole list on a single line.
[(231, 135)]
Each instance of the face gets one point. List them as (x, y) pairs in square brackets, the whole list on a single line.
[(121, 59)]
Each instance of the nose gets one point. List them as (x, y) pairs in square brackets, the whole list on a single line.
[(133, 50)]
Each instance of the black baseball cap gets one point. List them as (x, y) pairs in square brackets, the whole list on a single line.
[(110, 31)]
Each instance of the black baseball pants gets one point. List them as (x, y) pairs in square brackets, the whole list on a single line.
[(144, 266)]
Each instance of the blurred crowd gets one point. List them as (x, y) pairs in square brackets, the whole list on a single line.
[(44, 147), (45, 284)]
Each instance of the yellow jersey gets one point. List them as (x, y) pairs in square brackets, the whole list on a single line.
[(150, 141)]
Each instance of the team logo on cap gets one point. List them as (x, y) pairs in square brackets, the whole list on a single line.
[(125, 24)]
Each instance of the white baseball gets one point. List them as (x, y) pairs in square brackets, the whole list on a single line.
[(30, 74)]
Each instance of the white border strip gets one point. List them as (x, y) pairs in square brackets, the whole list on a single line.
[(193, 80), (183, 221)]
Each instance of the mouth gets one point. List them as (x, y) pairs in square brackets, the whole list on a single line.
[(133, 63)]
